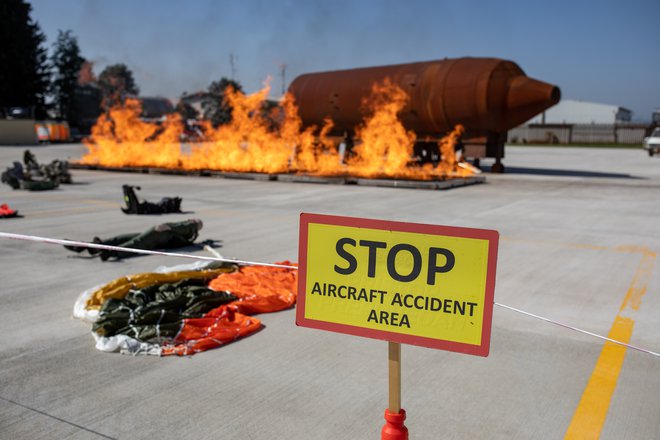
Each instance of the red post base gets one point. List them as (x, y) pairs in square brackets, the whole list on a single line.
[(394, 428)]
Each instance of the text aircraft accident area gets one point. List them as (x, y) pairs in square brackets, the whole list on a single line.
[(521, 307), (429, 285)]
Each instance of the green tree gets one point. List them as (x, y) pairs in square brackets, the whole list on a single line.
[(66, 62), (214, 104), (116, 83), (24, 70)]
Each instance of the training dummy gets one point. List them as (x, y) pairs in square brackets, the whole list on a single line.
[(137, 206), (33, 176), (163, 236)]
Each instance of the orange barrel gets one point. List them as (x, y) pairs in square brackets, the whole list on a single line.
[(65, 132), (53, 131), (42, 132), (59, 129)]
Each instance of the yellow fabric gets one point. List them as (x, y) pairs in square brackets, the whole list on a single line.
[(118, 288)]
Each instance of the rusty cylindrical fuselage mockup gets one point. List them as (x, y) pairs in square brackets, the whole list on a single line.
[(485, 95)]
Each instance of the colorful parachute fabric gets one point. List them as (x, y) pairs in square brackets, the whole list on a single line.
[(181, 312), (120, 287), (260, 289)]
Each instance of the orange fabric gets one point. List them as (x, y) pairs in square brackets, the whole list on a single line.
[(201, 334), (260, 289), (6, 211)]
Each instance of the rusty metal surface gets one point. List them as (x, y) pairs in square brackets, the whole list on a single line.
[(485, 95)]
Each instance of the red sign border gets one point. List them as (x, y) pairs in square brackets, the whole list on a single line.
[(452, 231)]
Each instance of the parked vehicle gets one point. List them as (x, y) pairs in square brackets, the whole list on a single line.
[(652, 143)]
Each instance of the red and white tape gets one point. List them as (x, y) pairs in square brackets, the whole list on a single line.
[(135, 251)]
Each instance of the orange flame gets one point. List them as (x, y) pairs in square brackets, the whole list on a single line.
[(449, 165), (249, 143), (122, 139), (318, 156), (386, 146), (246, 143)]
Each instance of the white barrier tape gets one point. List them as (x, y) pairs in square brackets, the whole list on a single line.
[(135, 251), (643, 350), (254, 263)]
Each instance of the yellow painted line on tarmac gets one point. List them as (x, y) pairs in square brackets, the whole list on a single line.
[(591, 412)]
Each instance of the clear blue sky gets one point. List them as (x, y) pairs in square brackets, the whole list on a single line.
[(601, 51)]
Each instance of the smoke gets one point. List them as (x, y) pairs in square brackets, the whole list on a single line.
[(175, 46)]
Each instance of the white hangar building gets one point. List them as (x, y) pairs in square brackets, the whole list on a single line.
[(580, 112)]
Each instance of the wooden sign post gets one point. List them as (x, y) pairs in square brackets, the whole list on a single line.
[(395, 376), (394, 429), (408, 283)]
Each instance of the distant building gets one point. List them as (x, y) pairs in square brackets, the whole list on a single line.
[(581, 112), (579, 122)]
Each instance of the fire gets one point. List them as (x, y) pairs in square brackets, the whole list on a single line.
[(449, 165), (316, 156), (121, 139), (246, 143), (386, 146), (253, 142)]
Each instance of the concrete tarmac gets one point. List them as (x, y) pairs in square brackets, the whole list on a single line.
[(579, 239)]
